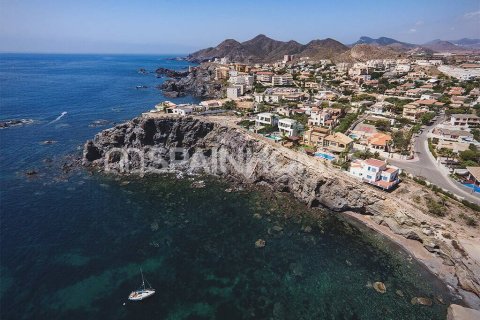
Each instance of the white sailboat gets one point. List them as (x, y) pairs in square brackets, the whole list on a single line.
[(142, 293)]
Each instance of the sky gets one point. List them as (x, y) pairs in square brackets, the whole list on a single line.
[(168, 26)]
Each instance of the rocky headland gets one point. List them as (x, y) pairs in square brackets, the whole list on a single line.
[(199, 82), (170, 73), (447, 246)]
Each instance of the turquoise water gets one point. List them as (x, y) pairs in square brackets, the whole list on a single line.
[(273, 137), (72, 243), (325, 156), (472, 186)]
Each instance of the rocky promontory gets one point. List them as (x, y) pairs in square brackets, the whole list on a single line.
[(170, 73), (217, 146), (200, 82)]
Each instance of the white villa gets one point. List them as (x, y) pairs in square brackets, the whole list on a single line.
[(266, 118), (182, 110), (289, 127), (376, 172)]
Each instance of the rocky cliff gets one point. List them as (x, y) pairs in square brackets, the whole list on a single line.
[(218, 147)]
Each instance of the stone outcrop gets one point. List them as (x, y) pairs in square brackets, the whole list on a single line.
[(231, 153), (15, 123), (171, 73), (456, 312), (216, 146), (199, 82)]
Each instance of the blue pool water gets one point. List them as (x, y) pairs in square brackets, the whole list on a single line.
[(273, 137), (325, 156), (472, 186)]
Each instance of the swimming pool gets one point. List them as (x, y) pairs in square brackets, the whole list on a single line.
[(325, 156), (273, 137), (353, 136), (472, 186)]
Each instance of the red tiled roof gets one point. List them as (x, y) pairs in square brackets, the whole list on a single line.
[(374, 162), (390, 170)]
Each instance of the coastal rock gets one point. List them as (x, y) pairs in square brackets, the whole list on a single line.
[(31, 172), (422, 301), (198, 83), (457, 312), (15, 123), (379, 287), (260, 243), (198, 184), (171, 73), (99, 123), (264, 165), (46, 142)]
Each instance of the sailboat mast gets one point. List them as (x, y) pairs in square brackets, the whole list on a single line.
[(143, 281)]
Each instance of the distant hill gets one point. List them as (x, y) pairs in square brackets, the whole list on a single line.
[(443, 46), (467, 43), (364, 52), (264, 49), (386, 42)]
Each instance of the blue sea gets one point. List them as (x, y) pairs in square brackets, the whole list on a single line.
[(72, 243)]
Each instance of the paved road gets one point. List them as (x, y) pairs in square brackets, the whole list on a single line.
[(426, 166)]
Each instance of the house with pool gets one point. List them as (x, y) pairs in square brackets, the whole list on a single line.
[(376, 172), (337, 143)]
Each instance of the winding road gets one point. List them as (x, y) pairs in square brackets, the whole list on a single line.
[(425, 165)]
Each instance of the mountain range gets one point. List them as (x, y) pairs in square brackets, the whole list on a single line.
[(264, 49)]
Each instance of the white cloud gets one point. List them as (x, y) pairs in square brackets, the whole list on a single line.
[(412, 30), (472, 14), (419, 23)]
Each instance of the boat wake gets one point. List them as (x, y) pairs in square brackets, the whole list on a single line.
[(58, 118)]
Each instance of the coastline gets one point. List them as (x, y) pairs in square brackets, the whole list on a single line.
[(432, 264), (311, 181)]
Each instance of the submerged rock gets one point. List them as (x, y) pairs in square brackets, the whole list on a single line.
[(31, 172), (260, 243), (99, 123), (399, 293), (198, 184), (15, 123), (379, 287), (48, 142), (421, 300)]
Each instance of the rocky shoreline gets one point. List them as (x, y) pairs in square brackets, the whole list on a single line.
[(199, 82), (448, 249)]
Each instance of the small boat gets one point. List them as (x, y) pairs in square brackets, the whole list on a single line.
[(141, 87), (142, 293)]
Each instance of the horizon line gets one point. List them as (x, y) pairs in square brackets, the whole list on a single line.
[(93, 53)]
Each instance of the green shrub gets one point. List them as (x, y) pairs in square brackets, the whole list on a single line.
[(471, 205), (435, 207)]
